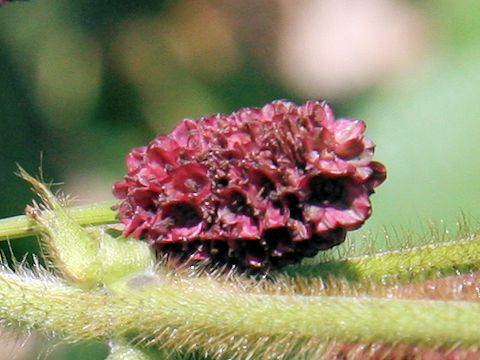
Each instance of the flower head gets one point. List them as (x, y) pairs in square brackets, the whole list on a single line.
[(260, 188)]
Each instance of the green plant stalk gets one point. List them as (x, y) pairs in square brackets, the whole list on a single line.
[(417, 263), (185, 316), (346, 319), (87, 215)]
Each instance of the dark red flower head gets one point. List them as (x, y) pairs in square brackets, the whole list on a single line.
[(260, 188)]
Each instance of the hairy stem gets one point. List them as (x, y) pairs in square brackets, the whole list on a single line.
[(417, 263), (177, 314), (94, 214)]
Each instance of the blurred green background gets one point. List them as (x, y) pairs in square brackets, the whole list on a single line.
[(82, 82)]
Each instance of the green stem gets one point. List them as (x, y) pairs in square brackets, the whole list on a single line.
[(418, 263), (178, 315), (94, 214)]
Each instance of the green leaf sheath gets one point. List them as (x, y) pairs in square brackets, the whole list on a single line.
[(85, 258), (185, 315), (94, 214)]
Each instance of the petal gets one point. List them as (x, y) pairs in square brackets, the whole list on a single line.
[(348, 138)]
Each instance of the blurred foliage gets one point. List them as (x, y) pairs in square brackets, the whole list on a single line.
[(84, 81)]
